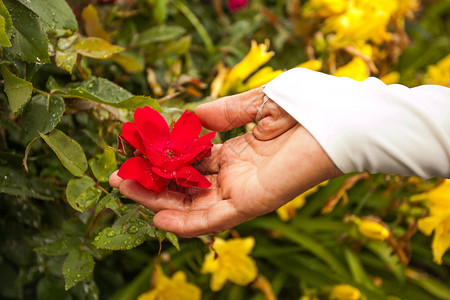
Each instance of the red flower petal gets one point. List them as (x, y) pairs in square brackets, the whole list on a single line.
[(185, 131), (201, 147), (152, 127), (188, 176), (132, 136), (140, 169)]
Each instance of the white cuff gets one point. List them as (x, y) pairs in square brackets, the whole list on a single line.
[(369, 126)]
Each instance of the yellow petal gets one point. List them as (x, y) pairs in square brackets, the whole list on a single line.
[(391, 78), (244, 270), (210, 264), (218, 280), (241, 245), (441, 241), (356, 69), (428, 224), (345, 292), (313, 64), (373, 230), (151, 295)]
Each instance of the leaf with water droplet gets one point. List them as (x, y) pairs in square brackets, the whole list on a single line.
[(127, 235), (29, 39), (82, 193), (102, 165), (103, 91), (96, 48), (57, 15), (18, 90), (78, 265), (68, 151), (59, 247), (42, 114)]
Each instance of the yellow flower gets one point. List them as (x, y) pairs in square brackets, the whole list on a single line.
[(324, 8), (289, 210), (364, 20), (357, 68), (391, 78), (261, 77), (373, 230), (438, 220), (440, 72), (312, 64), (175, 288), (230, 261), (257, 57), (345, 292), (406, 8)]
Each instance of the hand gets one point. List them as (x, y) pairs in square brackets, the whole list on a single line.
[(251, 175)]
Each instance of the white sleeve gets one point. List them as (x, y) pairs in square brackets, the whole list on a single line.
[(369, 126)]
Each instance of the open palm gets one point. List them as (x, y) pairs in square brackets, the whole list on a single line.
[(251, 175)]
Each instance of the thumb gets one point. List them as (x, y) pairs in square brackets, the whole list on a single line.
[(232, 111)]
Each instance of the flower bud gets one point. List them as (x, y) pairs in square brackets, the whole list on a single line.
[(345, 292), (373, 230)]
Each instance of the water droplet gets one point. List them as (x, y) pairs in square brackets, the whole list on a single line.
[(90, 85), (133, 229), (79, 275), (132, 220), (111, 233), (141, 223), (126, 242), (97, 238)]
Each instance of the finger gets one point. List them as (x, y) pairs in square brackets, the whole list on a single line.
[(167, 199), (217, 218), (273, 121), (115, 180), (232, 111), (210, 165)]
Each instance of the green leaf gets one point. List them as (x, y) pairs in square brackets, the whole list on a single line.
[(106, 201), (100, 90), (14, 181), (78, 265), (434, 287), (18, 90), (51, 287), (304, 240), (96, 48), (139, 101), (82, 193), (29, 40), (356, 268), (42, 115), (128, 232), (66, 59), (59, 247), (160, 34), (128, 62), (106, 92), (102, 165), (384, 253), (173, 239), (4, 39), (68, 151), (55, 14), (6, 28)]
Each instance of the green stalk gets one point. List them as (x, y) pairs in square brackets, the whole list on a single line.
[(197, 25)]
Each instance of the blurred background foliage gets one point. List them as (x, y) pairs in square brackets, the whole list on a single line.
[(73, 72)]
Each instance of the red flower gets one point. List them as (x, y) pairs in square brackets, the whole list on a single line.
[(166, 154), (235, 5)]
